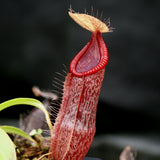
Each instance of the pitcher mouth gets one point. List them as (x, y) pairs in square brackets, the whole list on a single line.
[(92, 58)]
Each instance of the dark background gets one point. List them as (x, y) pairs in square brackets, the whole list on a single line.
[(37, 37)]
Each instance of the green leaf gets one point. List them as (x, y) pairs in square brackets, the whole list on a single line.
[(7, 149), (34, 132), (27, 101), (39, 131), (14, 130)]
